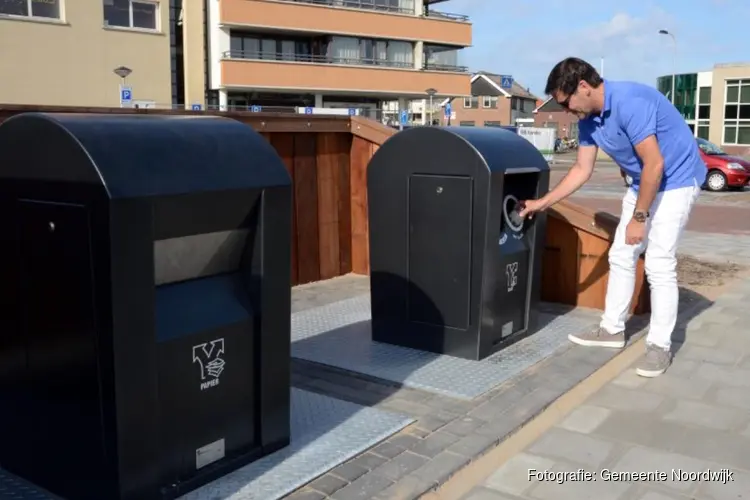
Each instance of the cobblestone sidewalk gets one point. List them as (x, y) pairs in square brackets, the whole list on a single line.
[(693, 419)]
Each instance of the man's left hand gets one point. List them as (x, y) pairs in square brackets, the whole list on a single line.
[(635, 232)]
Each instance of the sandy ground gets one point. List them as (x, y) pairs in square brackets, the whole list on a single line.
[(704, 281)]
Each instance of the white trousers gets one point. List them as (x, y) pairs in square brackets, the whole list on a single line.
[(668, 216)]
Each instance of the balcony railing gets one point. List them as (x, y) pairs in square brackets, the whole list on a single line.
[(436, 14), (358, 4), (309, 58), (370, 5), (445, 67)]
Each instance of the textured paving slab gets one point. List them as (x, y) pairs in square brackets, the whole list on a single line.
[(325, 432), (13, 488), (338, 335)]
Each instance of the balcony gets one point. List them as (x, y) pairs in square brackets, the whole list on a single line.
[(306, 72), (323, 17)]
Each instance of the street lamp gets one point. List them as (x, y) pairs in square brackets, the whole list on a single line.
[(431, 92), (123, 72), (674, 60)]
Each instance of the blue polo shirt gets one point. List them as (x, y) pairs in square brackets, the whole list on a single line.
[(633, 111)]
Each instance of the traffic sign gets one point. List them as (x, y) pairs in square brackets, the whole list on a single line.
[(255, 108), (404, 117), (448, 109), (126, 95), (308, 110), (197, 107), (506, 81), (352, 111)]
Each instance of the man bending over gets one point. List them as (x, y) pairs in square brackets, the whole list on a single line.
[(646, 136)]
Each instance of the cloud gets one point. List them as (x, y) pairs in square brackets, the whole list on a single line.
[(630, 44)]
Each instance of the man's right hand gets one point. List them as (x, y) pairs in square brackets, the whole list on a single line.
[(530, 207)]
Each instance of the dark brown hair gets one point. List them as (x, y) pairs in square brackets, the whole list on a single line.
[(566, 74)]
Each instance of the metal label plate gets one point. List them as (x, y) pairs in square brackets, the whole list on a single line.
[(507, 329), (209, 454)]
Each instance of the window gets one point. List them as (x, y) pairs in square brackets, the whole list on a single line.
[(466, 124), (471, 102), (140, 14), (493, 124), (47, 9), (737, 112), (489, 101), (704, 112)]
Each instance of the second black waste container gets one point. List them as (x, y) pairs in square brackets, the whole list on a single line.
[(145, 319), (452, 268)]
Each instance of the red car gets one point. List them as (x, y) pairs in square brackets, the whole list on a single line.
[(724, 170)]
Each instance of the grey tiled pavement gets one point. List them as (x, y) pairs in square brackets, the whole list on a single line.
[(714, 247), (694, 418)]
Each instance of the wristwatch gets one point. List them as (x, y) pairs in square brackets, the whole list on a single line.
[(640, 216)]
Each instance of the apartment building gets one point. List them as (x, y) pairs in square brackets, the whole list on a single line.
[(333, 53), (492, 105), (246, 54)]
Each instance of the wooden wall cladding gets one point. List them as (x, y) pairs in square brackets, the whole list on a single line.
[(321, 223), (575, 267)]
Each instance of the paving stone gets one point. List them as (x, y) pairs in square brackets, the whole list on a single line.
[(450, 405), (513, 476), (720, 447), (696, 413), (736, 488), (498, 405), (328, 483), (678, 387), (585, 419), (710, 354), (485, 494), (369, 461), (619, 398), (643, 459), (431, 423), (388, 450), (579, 448), (363, 488), (406, 488), (718, 316), (474, 445), (400, 466), (349, 471), (533, 403), (646, 430), (679, 367), (409, 407), (404, 440), (630, 380), (416, 431), (655, 495), (434, 443), (464, 426), (441, 468), (703, 337), (737, 397), (578, 490), (306, 494), (723, 375), (561, 374)]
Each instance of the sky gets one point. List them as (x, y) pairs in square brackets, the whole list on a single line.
[(525, 38)]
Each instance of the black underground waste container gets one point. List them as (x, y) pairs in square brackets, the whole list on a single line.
[(145, 312), (453, 269)]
